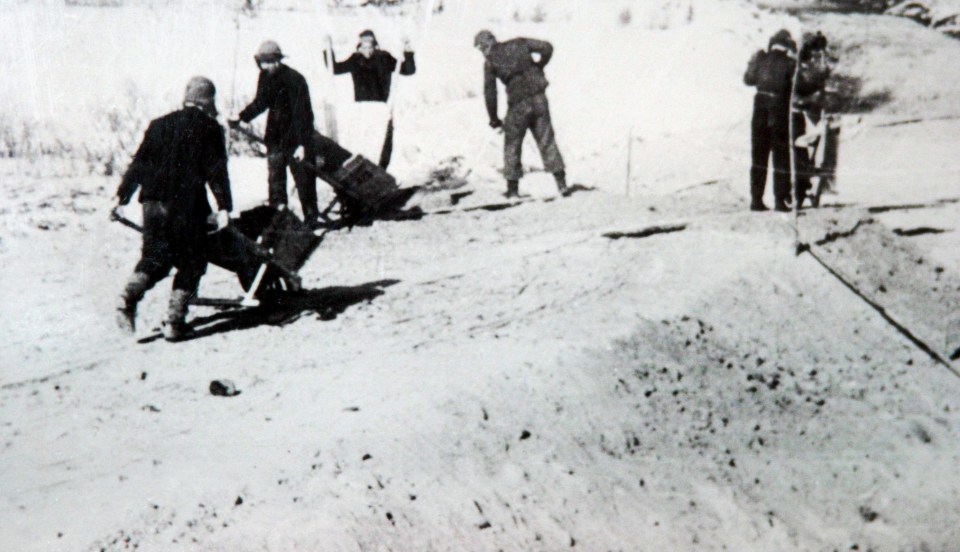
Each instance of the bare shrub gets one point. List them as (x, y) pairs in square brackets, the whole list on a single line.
[(538, 15), (13, 139), (116, 134)]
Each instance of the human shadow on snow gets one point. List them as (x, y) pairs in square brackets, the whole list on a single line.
[(283, 308)]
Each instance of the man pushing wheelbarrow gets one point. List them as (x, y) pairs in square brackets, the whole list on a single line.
[(183, 153)]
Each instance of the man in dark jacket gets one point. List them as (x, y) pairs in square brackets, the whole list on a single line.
[(284, 92), (180, 155), (372, 68), (372, 71), (809, 104), (771, 72), (512, 63)]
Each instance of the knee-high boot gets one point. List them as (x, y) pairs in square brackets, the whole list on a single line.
[(175, 327), (133, 292)]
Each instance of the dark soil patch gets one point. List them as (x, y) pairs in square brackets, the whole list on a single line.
[(646, 232), (917, 231)]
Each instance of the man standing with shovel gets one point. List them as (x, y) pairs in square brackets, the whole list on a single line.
[(512, 63)]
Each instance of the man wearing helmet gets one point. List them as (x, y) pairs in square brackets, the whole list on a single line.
[(513, 64), (181, 153), (289, 136)]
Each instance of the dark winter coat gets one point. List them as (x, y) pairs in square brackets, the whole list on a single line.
[(181, 153), (286, 95), (771, 71), (372, 77), (513, 64)]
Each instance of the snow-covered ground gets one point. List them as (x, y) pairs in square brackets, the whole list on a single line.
[(494, 379)]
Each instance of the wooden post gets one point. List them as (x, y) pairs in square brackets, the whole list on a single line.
[(629, 159), (792, 151)]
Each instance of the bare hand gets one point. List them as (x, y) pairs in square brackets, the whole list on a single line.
[(219, 220)]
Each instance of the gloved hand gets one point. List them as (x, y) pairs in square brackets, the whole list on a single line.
[(298, 154), (496, 123), (234, 123)]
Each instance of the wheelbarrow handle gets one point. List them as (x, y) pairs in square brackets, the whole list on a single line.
[(306, 165), (248, 133), (116, 217)]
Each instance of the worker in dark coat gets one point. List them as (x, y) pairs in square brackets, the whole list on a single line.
[(771, 72), (181, 154), (812, 77), (372, 71), (513, 64), (284, 92), (372, 68)]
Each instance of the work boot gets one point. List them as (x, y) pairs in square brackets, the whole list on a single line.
[(513, 189), (800, 198), (561, 178), (758, 206), (312, 220), (175, 327), (782, 207), (133, 292)]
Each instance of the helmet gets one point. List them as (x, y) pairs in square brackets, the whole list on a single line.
[(268, 51), (484, 37), (783, 38), (201, 93)]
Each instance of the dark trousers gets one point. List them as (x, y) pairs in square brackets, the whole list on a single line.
[(172, 240), (278, 159), (532, 114), (770, 135)]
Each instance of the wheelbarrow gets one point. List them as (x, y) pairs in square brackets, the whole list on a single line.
[(264, 247), (362, 189)]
